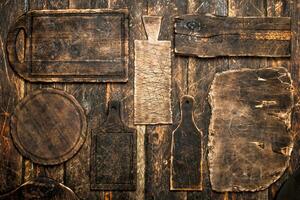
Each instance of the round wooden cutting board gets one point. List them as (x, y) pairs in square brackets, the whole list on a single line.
[(48, 126)]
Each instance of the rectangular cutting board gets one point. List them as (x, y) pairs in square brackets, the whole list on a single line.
[(83, 45)]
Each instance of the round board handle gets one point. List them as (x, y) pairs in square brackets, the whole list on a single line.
[(16, 64)]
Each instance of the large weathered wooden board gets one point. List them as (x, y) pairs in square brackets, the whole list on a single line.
[(41, 188), (113, 153), (152, 94), (48, 126), (72, 46), (212, 36), (249, 138), (186, 158)]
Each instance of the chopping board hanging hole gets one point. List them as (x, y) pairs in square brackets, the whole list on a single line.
[(186, 158), (113, 153)]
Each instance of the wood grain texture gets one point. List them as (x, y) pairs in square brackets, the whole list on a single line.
[(291, 188), (152, 98), (11, 91), (113, 153), (213, 36), (201, 73), (186, 155), (249, 139), (41, 188), (48, 126), (158, 138), (80, 46)]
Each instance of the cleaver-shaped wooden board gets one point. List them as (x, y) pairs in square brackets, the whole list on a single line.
[(186, 158), (113, 153), (152, 91), (213, 36), (250, 142)]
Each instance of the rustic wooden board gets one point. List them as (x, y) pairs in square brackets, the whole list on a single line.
[(113, 153), (87, 45), (213, 36), (249, 138), (48, 126), (291, 188), (152, 95), (41, 188), (186, 158)]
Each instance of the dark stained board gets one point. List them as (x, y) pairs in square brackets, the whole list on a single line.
[(249, 139), (41, 188), (213, 36), (48, 126), (290, 190), (113, 153), (186, 158), (89, 45)]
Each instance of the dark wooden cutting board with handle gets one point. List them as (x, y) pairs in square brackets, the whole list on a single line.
[(84, 45), (113, 153), (186, 158)]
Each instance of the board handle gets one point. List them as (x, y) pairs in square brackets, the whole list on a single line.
[(152, 26), (16, 64)]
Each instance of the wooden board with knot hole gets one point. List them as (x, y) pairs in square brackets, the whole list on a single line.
[(186, 158), (152, 91), (48, 126), (250, 141), (113, 153), (213, 36), (41, 188)]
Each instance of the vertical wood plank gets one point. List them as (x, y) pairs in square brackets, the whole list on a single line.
[(56, 172), (92, 98), (124, 92), (11, 91), (295, 71), (201, 73), (279, 8), (248, 8), (158, 138)]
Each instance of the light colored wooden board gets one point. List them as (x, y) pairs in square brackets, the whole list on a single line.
[(152, 98)]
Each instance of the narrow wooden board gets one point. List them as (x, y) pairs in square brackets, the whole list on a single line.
[(48, 126), (186, 158), (41, 188), (152, 95), (83, 45), (113, 153), (213, 36), (249, 139)]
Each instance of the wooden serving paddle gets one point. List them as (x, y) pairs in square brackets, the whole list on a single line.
[(113, 153), (186, 151)]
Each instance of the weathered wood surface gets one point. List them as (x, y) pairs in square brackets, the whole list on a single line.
[(78, 45), (291, 188), (213, 36), (41, 188), (11, 91), (48, 126), (186, 155), (152, 97), (250, 142), (113, 153)]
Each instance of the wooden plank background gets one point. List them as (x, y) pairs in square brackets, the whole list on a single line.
[(191, 76)]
